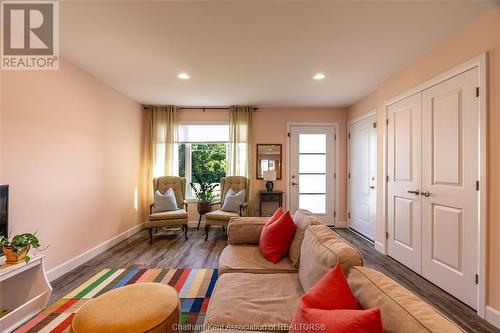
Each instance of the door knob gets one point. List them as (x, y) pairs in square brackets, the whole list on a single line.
[(426, 194), (416, 192), (294, 183), (372, 187)]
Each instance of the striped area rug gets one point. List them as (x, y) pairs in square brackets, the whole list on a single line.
[(193, 285)]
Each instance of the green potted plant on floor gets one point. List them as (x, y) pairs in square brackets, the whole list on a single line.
[(16, 249), (204, 191)]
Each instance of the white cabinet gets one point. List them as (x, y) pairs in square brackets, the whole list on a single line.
[(24, 292)]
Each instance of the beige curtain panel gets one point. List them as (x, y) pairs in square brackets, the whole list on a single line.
[(161, 139), (240, 136)]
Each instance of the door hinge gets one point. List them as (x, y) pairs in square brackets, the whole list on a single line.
[(334, 175), (375, 125), (335, 137), (349, 135), (477, 279), (349, 175), (477, 185), (387, 234), (288, 134), (348, 215), (387, 121), (334, 214), (477, 91), (386, 178)]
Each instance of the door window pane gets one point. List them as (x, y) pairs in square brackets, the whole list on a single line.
[(312, 164), (315, 203), (312, 143), (312, 184)]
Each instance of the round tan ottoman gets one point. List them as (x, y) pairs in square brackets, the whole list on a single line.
[(141, 307)]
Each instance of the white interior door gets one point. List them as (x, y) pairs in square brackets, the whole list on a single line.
[(361, 180), (312, 170), (403, 187), (450, 113)]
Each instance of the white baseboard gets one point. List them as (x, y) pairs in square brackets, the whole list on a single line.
[(71, 264), (492, 316), (379, 247)]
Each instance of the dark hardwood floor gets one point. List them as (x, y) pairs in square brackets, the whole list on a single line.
[(170, 250), (447, 304)]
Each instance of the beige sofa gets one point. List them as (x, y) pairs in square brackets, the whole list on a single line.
[(252, 294)]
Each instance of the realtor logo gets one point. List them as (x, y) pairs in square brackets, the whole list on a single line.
[(30, 35)]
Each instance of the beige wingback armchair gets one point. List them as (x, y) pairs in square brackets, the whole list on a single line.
[(175, 218), (219, 217)]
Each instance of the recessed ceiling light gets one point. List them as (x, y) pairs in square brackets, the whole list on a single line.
[(319, 76), (183, 76)]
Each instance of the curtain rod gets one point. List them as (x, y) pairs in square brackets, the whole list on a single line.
[(201, 108)]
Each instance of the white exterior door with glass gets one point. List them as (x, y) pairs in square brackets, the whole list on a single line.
[(312, 170)]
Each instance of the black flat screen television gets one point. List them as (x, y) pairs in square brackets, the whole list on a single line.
[(4, 210)]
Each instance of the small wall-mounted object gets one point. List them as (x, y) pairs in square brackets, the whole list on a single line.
[(269, 158)]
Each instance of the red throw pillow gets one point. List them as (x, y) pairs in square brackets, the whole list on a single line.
[(276, 238), (277, 214), (331, 292), (308, 320)]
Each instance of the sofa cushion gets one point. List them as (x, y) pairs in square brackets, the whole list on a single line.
[(220, 215), (276, 215), (245, 230), (171, 215), (262, 302), (249, 259), (276, 238), (402, 311), (302, 219), (337, 321), (321, 250), (331, 292)]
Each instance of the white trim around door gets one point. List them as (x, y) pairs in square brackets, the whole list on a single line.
[(336, 127), (479, 62)]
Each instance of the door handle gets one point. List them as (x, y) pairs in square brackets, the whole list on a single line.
[(372, 187), (426, 194), (416, 192), (294, 183)]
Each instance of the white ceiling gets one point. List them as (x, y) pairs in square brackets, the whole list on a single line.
[(257, 52)]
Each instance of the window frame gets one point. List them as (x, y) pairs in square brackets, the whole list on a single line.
[(188, 153)]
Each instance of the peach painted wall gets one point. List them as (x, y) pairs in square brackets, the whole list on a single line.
[(70, 150), (270, 126), (482, 36)]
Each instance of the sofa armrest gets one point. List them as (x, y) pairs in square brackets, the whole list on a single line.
[(245, 230)]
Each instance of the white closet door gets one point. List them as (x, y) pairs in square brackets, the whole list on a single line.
[(362, 159), (403, 199), (450, 112)]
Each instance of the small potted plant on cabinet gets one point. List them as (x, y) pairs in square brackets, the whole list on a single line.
[(204, 191), (16, 249)]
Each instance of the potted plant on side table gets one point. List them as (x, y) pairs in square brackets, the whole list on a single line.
[(203, 190), (17, 248)]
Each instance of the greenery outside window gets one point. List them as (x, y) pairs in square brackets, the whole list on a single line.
[(203, 150)]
